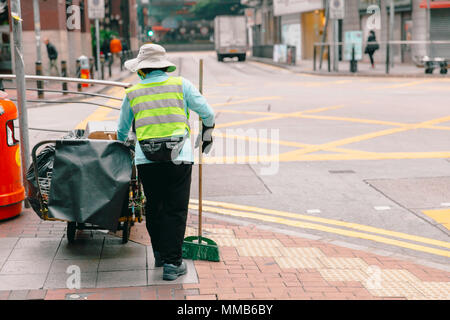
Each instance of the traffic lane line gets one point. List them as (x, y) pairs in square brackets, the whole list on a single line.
[(319, 227), (351, 225)]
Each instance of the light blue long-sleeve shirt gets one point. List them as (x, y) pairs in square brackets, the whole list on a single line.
[(193, 100)]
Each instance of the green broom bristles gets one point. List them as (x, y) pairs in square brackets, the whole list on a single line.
[(205, 249)]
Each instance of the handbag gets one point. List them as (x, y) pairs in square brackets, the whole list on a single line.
[(162, 149)]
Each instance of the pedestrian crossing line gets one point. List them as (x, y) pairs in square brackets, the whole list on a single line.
[(252, 210)]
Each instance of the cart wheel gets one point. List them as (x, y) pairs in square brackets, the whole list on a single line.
[(126, 231), (71, 230)]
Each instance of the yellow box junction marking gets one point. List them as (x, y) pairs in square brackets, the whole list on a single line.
[(441, 216)]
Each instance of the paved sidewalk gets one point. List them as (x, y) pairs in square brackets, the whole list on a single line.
[(255, 264), (364, 69)]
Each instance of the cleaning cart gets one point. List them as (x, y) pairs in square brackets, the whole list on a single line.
[(91, 185)]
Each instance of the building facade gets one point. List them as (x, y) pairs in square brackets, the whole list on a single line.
[(301, 23)]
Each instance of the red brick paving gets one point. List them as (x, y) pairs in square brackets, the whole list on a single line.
[(235, 277)]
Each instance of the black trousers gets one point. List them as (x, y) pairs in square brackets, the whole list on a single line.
[(371, 58), (167, 188)]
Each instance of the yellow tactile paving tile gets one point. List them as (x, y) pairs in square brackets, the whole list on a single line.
[(393, 289), (303, 263), (226, 241), (343, 275), (258, 252), (344, 263), (437, 290), (263, 243), (293, 252), (397, 275)]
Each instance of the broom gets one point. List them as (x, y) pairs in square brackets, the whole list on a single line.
[(199, 247)]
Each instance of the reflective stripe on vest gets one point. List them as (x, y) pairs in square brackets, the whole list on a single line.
[(159, 109)]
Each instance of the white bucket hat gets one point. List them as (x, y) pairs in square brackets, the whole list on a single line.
[(150, 56)]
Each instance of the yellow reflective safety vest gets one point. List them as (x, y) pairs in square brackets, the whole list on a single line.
[(158, 109)]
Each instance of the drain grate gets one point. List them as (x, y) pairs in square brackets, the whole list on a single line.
[(340, 171)]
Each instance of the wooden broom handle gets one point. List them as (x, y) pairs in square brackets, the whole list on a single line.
[(200, 158)]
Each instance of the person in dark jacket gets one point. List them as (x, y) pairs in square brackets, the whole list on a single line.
[(52, 56), (371, 47)]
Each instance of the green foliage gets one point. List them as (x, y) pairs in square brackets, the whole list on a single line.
[(104, 35), (209, 9)]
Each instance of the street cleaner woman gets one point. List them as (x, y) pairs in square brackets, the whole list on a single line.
[(159, 106)]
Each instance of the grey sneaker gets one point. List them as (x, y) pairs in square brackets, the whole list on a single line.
[(172, 272)]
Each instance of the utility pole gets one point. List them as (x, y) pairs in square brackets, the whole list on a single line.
[(16, 21), (97, 39), (428, 36), (336, 45), (391, 30), (37, 29)]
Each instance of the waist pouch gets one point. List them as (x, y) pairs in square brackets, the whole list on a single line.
[(162, 149)]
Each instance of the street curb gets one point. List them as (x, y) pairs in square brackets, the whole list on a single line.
[(336, 242), (347, 74)]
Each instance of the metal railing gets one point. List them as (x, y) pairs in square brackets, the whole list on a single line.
[(65, 80), (393, 52)]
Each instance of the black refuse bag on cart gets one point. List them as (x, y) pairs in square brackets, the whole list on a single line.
[(90, 182), (44, 161)]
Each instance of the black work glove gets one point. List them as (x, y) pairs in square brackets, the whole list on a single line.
[(206, 138)]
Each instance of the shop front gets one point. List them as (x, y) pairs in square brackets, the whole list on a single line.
[(302, 24), (439, 27)]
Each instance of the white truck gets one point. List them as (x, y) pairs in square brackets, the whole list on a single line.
[(230, 36)]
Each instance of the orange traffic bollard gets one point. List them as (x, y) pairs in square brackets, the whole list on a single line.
[(12, 192)]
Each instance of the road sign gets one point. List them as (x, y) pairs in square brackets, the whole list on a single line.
[(353, 39), (337, 9), (96, 9)]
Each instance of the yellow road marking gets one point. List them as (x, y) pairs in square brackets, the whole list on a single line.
[(98, 115), (319, 227), (402, 85), (441, 216), (246, 101), (286, 143), (328, 221), (363, 137), (276, 116), (358, 120)]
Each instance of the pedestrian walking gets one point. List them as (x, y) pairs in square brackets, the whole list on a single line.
[(115, 47), (371, 47), (52, 56), (158, 110)]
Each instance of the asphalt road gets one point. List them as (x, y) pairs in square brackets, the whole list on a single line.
[(360, 160)]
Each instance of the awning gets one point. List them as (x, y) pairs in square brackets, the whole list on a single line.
[(435, 4), (160, 29)]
